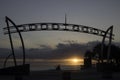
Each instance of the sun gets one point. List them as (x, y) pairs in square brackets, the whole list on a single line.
[(75, 60)]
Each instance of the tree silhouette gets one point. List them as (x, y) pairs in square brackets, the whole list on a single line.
[(88, 59), (88, 54), (114, 53), (97, 52)]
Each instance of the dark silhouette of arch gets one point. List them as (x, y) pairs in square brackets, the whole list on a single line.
[(4, 65), (109, 45), (11, 43), (21, 39), (55, 26), (58, 27)]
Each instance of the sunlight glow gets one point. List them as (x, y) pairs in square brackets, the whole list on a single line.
[(75, 60)]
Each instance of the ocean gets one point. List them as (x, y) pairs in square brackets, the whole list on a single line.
[(47, 65), (51, 65)]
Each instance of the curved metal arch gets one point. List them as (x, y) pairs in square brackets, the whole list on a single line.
[(22, 42), (11, 43), (6, 59), (109, 45), (57, 26), (60, 27)]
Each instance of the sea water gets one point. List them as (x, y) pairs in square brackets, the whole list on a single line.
[(45, 65), (52, 66)]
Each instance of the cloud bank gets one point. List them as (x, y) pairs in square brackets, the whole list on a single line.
[(62, 50)]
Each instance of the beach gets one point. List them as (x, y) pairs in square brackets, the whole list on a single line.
[(64, 75)]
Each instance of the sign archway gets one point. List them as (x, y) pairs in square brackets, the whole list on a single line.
[(53, 27)]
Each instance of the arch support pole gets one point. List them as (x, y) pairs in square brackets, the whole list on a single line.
[(110, 30), (11, 42), (22, 42), (109, 45)]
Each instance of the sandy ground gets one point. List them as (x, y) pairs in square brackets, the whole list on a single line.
[(64, 75)]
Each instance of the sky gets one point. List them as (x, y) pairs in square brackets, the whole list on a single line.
[(99, 14)]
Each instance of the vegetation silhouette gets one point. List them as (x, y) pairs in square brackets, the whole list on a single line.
[(88, 59), (114, 55)]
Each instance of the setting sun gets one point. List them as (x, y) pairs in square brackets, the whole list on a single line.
[(75, 60)]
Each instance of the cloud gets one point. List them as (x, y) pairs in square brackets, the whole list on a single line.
[(62, 50), (4, 52)]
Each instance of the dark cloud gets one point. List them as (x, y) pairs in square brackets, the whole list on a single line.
[(4, 52), (62, 50)]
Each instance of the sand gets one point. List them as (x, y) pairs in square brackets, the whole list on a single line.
[(64, 75)]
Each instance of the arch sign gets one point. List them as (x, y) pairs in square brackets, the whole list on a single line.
[(51, 27)]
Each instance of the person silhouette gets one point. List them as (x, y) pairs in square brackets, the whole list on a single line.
[(58, 67)]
